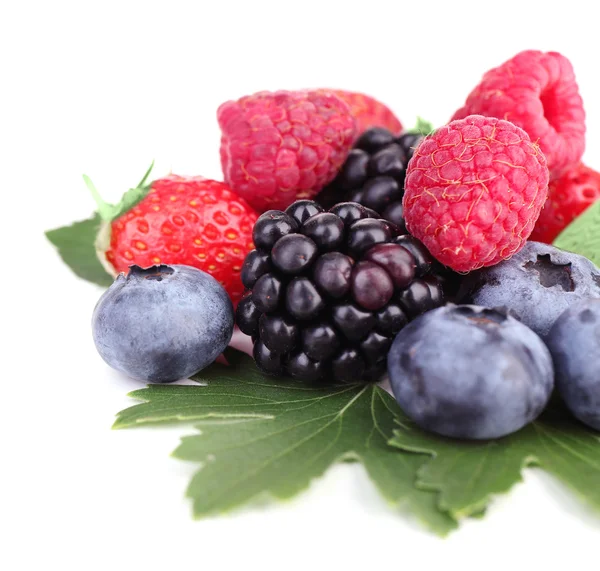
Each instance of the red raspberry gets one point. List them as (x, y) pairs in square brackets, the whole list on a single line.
[(279, 147), (184, 220), (474, 190), (369, 112), (568, 197), (536, 91)]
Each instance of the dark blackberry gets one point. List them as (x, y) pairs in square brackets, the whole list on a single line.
[(331, 292), (373, 174)]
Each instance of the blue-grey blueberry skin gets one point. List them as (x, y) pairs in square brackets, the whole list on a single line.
[(574, 342), (163, 323), (470, 372), (536, 285)]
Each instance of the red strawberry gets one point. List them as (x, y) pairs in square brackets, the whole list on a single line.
[(180, 220), (568, 197), (369, 112)]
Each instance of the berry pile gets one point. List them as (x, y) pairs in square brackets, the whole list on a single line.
[(373, 174), (329, 290), (365, 229)]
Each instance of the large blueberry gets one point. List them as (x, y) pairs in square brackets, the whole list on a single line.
[(470, 372), (574, 342), (163, 323), (536, 285)]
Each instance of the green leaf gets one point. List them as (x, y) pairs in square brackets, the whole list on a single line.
[(422, 127), (109, 212), (260, 435), (467, 474), (582, 236), (75, 245)]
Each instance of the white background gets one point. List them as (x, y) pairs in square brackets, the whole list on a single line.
[(104, 88)]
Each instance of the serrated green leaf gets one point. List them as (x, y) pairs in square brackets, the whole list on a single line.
[(75, 244), (582, 236), (467, 474), (261, 435)]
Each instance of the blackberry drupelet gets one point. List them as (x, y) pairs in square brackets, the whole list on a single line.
[(328, 291), (373, 174)]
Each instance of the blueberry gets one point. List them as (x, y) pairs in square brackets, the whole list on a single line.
[(536, 285), (470, 372), (271, 226), (574, 341), (163, 323)]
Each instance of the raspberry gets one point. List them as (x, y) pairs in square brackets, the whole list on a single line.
[(369, 112), (536, 91), (568, 197), (330, 291), (279, 147), (474, 190)]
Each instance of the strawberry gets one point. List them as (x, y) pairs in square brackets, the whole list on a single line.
[(178, 220), (568, 196), (369, 112)]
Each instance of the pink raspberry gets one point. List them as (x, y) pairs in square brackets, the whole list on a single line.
[(279, 147), (536, 91), (474, 190), (369, 112)]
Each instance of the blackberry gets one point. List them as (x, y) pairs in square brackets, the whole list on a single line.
[(329, 290), (373, 174)]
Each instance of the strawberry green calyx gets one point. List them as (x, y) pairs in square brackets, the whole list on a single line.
[(110, 212)]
